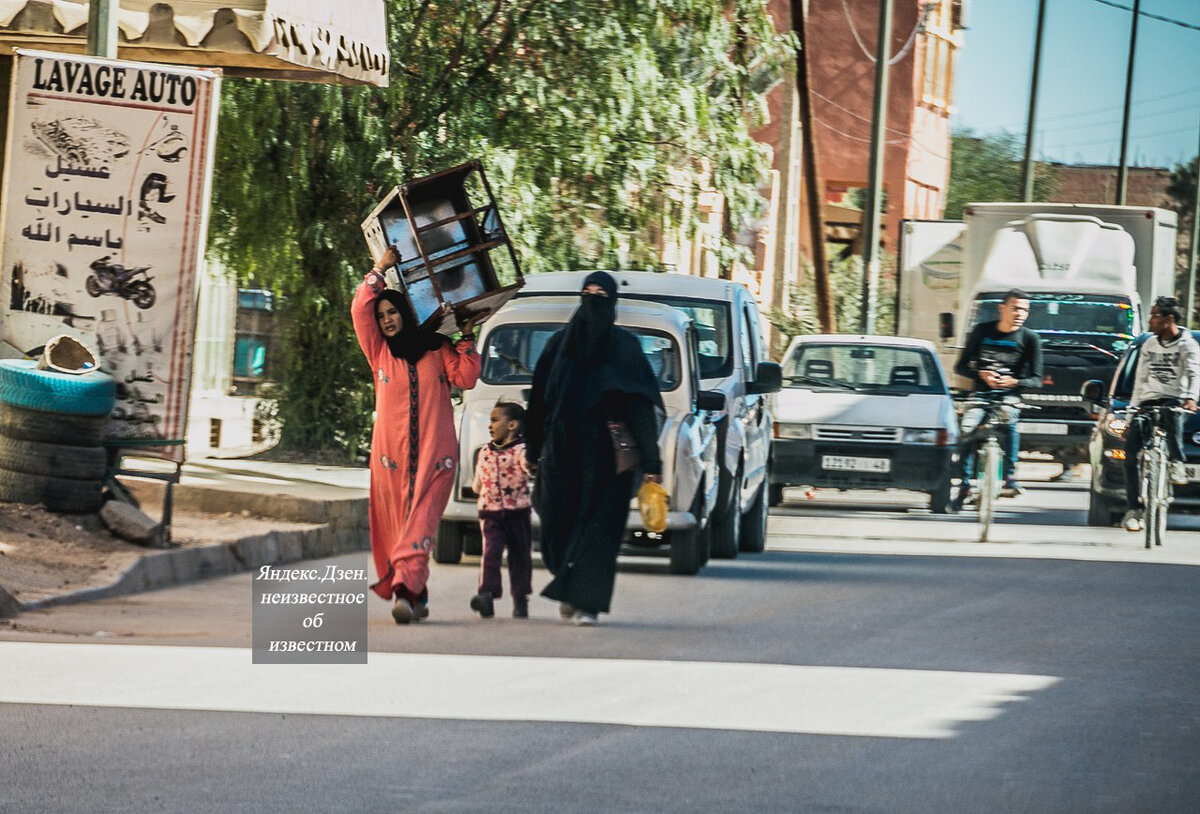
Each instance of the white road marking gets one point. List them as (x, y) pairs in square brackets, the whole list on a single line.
[(707, 695)]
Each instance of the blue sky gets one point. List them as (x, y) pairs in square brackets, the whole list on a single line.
[(1085, 47)]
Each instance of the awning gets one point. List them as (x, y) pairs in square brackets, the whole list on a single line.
[(336, 41)]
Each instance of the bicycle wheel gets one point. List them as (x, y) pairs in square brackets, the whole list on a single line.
[(1153, 463), (1163, 496), (989, 485)]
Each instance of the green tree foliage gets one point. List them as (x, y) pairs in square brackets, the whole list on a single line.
[(596, 120), (1182, 189), (988, 168)]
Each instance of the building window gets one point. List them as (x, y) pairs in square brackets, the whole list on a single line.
[(256, 338)]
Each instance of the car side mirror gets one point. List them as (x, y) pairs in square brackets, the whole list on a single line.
[(768, 378), (527, 394), (1092, 391), (946, 325), (711, 400)]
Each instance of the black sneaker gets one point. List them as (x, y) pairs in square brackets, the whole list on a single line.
[(1011, 489), (482, 602), (520, 607), (964, 495)]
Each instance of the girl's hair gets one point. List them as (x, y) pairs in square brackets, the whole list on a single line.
[(514, 411)]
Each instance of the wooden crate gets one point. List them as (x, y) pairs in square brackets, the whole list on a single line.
[(445, 227)]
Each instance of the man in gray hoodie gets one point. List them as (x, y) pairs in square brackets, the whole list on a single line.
[(1167, 374)]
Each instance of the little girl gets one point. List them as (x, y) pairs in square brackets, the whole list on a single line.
[(504, 514)]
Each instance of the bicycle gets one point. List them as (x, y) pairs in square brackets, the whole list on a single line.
[(989, 458), (1155, 488)]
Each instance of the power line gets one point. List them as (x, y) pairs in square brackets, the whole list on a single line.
[(1158, 17)]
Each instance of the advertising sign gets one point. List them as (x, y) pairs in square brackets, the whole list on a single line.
[(104, 213)]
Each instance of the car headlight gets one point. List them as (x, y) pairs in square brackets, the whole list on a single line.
[(1114, 425), (939, 437), (801, 432)]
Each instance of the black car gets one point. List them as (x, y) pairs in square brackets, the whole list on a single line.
[(1106, 448)]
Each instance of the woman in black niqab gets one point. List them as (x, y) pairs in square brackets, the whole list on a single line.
[(592, 372)]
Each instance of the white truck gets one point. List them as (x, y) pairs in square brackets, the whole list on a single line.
[(1092, 272)]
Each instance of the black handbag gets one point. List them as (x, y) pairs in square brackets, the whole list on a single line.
[(625, 449)]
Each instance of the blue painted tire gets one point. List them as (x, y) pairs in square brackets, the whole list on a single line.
[(23, 385)]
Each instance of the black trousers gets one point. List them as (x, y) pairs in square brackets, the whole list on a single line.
[(1135, 437)]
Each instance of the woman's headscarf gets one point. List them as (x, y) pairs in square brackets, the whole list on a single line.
[(595, 357), (411, 342)]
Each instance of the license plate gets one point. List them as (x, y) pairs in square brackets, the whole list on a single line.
[(1042, 428), (1193, 472), (848, 464)]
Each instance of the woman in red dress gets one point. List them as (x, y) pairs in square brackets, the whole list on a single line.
[(413, 447)]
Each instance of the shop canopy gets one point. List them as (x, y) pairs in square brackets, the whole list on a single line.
[(334, 41)]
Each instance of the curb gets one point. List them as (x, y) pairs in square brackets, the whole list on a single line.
[(340, 527)]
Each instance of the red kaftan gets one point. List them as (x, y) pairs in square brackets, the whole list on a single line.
[(413, 446)]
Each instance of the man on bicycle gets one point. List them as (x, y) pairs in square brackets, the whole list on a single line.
[(1000, 357), (1167, 374)]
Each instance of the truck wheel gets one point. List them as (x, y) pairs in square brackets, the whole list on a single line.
[(447, 550), (939, 498), (775, 494), (754, 523), (725, 525), (1101, 511)]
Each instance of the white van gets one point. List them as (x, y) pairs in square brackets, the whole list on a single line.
[(732, 362), (511, 343), (864, 412)]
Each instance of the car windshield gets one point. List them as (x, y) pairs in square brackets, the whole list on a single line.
[(878, 368), (1106, 322), (512, 352)]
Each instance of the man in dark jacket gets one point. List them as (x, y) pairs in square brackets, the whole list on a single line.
[(1000, 357)]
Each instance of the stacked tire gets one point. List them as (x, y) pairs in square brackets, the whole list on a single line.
[(52, 429)]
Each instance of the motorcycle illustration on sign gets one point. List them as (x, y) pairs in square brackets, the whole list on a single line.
[(128, 283)]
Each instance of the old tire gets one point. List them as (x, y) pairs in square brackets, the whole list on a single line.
[(52, 428), (1101, 511), (447, 549), (725, 526), (55, 460), (23, 385), (65, 495), (754, 523)]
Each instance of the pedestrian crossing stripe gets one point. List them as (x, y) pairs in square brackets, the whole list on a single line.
[(855, 701)]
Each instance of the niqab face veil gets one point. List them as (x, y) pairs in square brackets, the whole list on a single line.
[(595, 358), (411, 342)]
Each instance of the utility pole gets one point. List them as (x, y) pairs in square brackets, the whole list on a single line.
[(872, 216), (812, 173), (1195, 239), (1031, 120), (102, 28), (1123, 169)]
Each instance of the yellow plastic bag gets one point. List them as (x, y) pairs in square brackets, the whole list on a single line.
[(653, 503)]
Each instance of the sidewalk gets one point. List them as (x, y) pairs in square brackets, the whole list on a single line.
[(229, 516)]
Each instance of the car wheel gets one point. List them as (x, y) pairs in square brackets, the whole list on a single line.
[(1102, 511), (775, 494), (689, 547), (754, 523), (939, 498), (448, 548), (726, 524)]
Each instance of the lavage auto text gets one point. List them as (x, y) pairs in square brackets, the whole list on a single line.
[(112, 81)]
